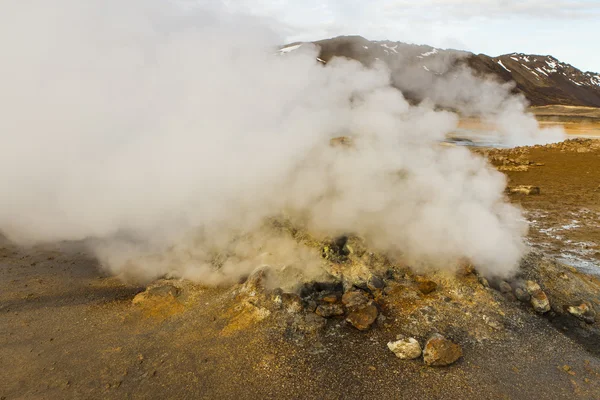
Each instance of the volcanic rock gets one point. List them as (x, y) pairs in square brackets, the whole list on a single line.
[(330, 298), (406, 349), (329, 310), (584, 312), (363, 317), (375, 283), (505, 287), (524, 190), (354, 299), (540, 302), (440, 351), (484, 282), (522, 295)]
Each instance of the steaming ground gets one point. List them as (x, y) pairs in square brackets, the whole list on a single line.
[(162, 134)]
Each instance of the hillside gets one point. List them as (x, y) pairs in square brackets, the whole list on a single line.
[(543, 80)]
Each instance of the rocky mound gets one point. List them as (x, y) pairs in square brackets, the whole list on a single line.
[(439, 312)]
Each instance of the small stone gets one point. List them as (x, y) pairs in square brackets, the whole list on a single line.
[(354, 299), (406, 349), (329, 310), (540, 302), (522, 294), (330, 298), (427, 286), (375, 283), (363, 317), (524, 190), (440, 351), (505, 287), (484, 282), (584, 312)]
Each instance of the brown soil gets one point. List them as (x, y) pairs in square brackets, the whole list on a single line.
[(565, 216), (68, 331)]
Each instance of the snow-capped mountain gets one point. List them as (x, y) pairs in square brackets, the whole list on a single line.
[(542, 79)]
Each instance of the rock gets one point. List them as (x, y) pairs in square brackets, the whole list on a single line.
[(362, 318), (427, 286), (532, 287), (330, 298), (584, 312), (484, 282), (405, 349), (505, 287), (522, 295), (354, 299), (375, 283), (513, 168), (524, 190), (329, 310), (255, 284), (162, 291), (540, 302), (440, 351)]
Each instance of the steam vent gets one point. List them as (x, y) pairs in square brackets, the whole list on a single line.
[(257, 200)]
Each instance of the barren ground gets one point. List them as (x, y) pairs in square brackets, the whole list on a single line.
[(69, 331)]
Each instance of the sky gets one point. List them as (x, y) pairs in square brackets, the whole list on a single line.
[(567, 29)]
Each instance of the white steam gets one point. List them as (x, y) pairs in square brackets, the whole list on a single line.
[(168, 135)]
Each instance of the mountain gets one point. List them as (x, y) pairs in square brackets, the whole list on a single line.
[(543, 80)]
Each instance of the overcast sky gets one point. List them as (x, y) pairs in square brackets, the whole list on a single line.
[(566, 29)]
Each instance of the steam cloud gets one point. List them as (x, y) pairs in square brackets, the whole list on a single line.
[(167, 134)]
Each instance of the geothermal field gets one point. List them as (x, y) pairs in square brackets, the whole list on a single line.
[(192, 209)]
